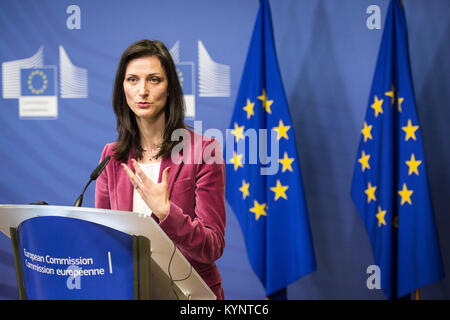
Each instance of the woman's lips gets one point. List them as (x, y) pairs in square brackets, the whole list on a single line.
[(143, 104)]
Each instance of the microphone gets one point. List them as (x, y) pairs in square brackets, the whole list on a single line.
[(94, 176)]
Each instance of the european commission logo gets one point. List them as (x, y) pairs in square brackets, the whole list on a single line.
[(36, 86), (213, 78)]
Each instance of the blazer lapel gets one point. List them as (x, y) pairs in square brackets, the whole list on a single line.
[(126, 189)]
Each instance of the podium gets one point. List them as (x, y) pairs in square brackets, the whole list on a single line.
[(85, 253)]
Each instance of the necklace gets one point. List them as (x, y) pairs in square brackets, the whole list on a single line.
[(149, 154)]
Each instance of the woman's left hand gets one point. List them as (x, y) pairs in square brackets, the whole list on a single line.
[(155, 195)]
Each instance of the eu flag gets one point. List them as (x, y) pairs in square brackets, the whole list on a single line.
[(390, 187), (38, 81), (264, 185)]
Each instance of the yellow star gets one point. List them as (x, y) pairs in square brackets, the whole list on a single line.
[(280, 191), (410, 131), (237, 161), (370, 191), (391, 94), (399, 101), (266, 103), (366, 131), (281, 130), (286, 162), (377, 106), (413, 164), (238, 132), (258, 209), (244, 189), (380, 216), (405, 194), (249, 108), (364, 160)]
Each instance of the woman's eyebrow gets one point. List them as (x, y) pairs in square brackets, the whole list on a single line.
[(150, 74)]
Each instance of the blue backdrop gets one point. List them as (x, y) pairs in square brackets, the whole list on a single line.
[(327, 57)]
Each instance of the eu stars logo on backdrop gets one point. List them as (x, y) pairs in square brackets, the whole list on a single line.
[(38, 82), (390, 187), (36, 85), (38, 92), (271, 208)]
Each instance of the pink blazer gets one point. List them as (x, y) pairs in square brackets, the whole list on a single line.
[(196, 219)]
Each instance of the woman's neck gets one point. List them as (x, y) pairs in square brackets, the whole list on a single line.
[(151, 132)]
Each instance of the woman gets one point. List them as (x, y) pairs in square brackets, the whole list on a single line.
[(187, 197)]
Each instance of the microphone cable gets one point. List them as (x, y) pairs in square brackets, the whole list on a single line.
[(172, 280)]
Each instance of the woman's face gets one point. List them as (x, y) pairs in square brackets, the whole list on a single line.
[(145, 86)]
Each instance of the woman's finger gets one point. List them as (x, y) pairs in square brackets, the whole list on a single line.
[(135, 181), (139, 172)]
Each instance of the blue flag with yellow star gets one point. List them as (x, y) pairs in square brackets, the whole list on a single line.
[(264, 185), (390, 187)]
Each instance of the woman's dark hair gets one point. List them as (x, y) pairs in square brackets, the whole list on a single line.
[(127, 128)]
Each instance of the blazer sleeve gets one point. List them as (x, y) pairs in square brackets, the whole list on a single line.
[(101, 185), (203, 237)]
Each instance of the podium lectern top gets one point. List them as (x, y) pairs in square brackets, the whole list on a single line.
[(131, 223)]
